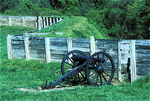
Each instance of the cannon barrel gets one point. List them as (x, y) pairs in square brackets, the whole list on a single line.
[(82, 59)]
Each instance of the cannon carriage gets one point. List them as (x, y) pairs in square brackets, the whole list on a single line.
[(76, 67)]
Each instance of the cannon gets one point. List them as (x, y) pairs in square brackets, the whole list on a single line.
[(76, 67)]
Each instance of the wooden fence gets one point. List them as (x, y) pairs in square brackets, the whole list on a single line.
[(51, 49), (34, 22)]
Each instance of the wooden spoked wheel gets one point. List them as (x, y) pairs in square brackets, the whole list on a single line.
[(68, 64), (100, 69)]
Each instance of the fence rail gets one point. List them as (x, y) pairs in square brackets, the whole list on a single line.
[(29, 21), (53, 50)]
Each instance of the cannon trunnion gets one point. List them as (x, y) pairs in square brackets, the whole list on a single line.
[(76, 67)]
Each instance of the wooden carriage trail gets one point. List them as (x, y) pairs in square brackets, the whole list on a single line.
[(131, 54)]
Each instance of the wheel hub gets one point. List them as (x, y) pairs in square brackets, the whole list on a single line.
[(100, 69)]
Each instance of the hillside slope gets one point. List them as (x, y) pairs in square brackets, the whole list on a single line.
[(77, 27)]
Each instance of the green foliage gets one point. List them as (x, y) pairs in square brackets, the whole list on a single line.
[(122, 19)]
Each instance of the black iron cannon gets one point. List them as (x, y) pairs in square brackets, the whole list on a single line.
[(97, 69)]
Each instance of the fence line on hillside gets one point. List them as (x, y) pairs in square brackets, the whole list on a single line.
[(53, 50), (29, 21)]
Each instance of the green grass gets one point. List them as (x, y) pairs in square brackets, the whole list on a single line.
[(31, 74), (77, 27)]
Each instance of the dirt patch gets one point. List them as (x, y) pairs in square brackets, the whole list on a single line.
[(46, 90)]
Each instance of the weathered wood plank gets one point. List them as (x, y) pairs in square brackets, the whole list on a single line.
[(38, 51), (18, 46), (143, 71), (81, 45), (143, 42), (36, 47), (82, 49), (142, 47), (59, 44), (81, 40), (36, 38), (39, 59), (59, 52), (142, 51), (59, 47), (14, 42), (54, 39), (37, 55), (17, 37)]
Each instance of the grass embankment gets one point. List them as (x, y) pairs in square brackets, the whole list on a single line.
[(77, 27), (31, 74)]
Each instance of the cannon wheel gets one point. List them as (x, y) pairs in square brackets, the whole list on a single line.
[(99, 72), (68, 64)]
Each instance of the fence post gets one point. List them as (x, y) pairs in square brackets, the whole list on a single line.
[(47, 50), (119, 61), (132, 60), (47, 21), (57, 19), (39, 23), (9, 18), (44, 24), (92, 45), (22, 21), (53, 20), (50, 21), (69, 43), (26, 44), (9, 47)]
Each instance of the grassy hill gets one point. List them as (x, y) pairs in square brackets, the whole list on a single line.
[(77, 27)]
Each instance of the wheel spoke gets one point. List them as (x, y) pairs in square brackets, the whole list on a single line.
[(92, 74), (97, 79), (105, 62), (71, 60), (108, 69), (81, 74), (102, 59), (92, 68), (106, 74), (94, 62), (94, 77), (68, 68), (69, 64), (107, 65), (101, 79), (104, 77)]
